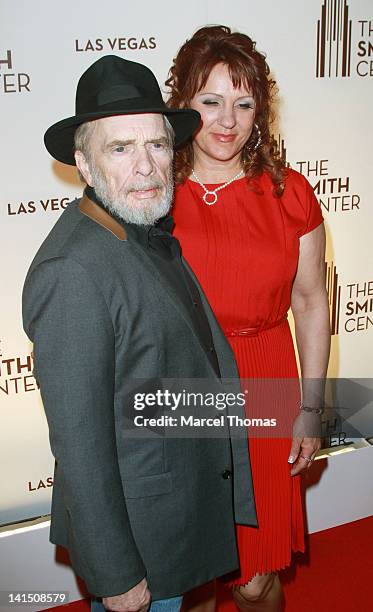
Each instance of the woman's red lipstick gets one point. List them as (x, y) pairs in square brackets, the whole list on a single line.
[(224, 137)]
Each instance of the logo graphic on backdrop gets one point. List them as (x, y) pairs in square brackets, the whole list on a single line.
[(334, 292), (12, 81), (334, 193), (48, 205), (280, 149), (351, 305), (115, 43), (16, 375), (340, 39), (333, 40)]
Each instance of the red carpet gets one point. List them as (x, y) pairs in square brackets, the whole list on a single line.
[(335, 574)]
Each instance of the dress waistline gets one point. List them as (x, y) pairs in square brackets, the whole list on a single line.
[(253, 331)]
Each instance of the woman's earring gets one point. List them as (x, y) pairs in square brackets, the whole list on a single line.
[(248, 151), (259, 140)]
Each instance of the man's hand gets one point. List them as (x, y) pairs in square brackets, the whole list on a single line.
[(136, 599)]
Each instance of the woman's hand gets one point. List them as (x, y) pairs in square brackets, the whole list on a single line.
[(306, 441)]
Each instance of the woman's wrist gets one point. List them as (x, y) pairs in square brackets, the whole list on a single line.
[(314, 409)]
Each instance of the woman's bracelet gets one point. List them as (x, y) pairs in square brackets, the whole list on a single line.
[(309, 409)]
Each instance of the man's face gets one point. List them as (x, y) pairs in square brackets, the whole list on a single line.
[(130, 166)]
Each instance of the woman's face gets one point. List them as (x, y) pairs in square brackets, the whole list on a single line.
[(227, 117)]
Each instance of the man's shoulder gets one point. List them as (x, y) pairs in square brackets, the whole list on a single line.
[(54, 244), (74, 236)]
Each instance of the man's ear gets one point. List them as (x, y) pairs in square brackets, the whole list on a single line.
[(83, 167)]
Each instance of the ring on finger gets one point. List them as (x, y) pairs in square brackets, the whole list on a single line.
[(308, 459)]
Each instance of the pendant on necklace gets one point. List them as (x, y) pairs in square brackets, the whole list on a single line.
[(212, 194)]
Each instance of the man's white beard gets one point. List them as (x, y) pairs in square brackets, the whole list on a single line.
[(146, 212)]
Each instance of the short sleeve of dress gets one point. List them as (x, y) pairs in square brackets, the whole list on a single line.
[(313, 214)]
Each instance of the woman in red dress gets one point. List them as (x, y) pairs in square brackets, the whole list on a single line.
[(252, 231)]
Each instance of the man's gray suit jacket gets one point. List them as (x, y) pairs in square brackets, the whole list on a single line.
[(100, 315)]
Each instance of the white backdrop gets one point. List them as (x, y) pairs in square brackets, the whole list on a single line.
[(324, 127)]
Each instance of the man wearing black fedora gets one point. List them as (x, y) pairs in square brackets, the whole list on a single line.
[(108, 300)]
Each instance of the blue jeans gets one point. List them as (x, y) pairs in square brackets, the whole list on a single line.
[(173, 604)]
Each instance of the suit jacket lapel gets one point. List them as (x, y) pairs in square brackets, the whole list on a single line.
[(149, 263)]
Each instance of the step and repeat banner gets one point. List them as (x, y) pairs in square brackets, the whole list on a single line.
[(321, 55)]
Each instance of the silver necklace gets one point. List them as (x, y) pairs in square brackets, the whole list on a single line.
[(214, 192)]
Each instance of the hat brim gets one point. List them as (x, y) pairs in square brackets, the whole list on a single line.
[(59, 138)]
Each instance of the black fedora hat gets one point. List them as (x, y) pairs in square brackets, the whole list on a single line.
[(115, 86)]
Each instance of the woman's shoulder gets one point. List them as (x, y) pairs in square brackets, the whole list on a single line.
[(292, 180), (299, 199), (295, 186), (295, 180)]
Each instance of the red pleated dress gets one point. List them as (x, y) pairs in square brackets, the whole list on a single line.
[(244, 251)]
